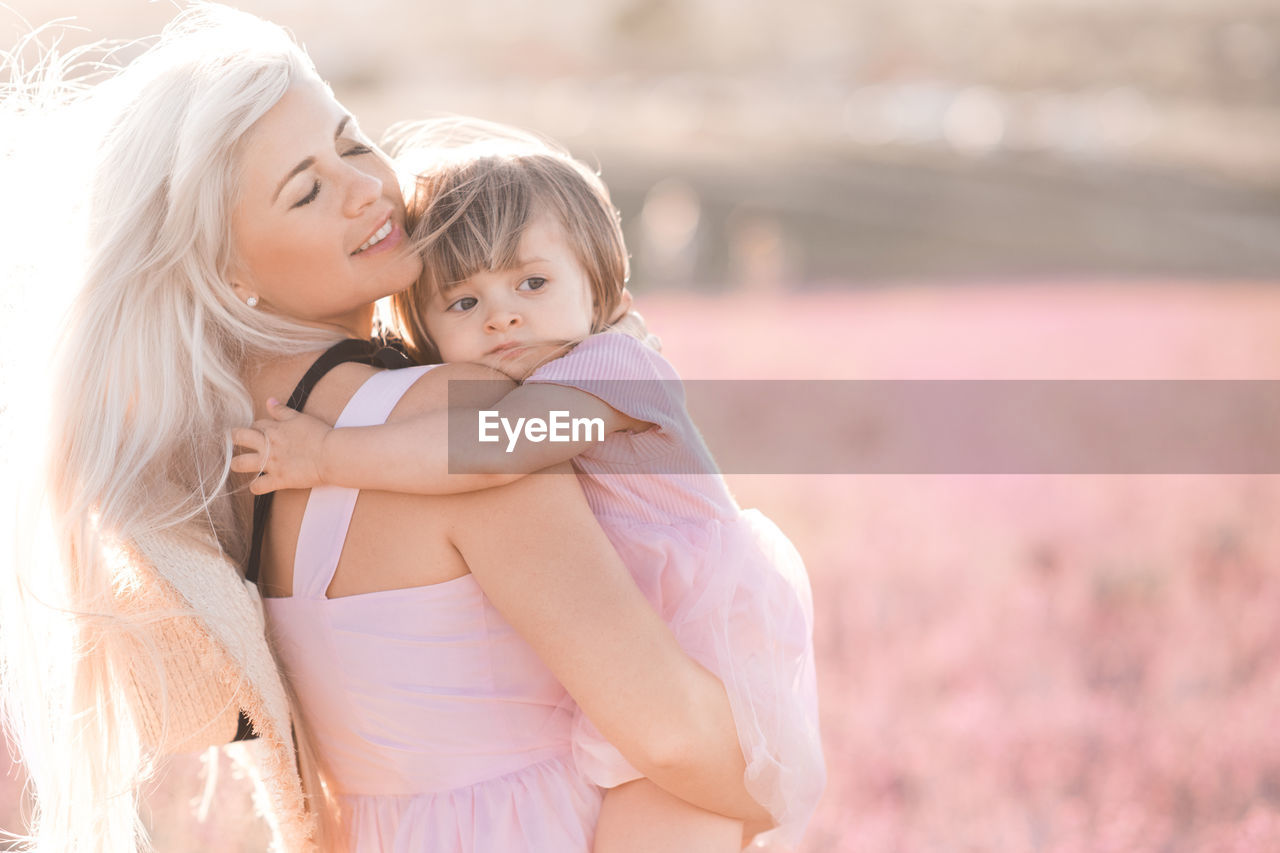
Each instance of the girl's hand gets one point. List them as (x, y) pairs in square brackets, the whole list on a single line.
[(286, 451), (627, 320), (634, 325)]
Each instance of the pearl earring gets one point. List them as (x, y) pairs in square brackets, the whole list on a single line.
[(252, 302)]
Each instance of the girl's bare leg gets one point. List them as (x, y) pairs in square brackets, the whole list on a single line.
[(640, 817)]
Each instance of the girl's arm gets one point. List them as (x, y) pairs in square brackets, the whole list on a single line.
[(553, 574), (435, 453)]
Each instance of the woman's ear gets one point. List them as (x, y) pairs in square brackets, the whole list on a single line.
[(244, 294)]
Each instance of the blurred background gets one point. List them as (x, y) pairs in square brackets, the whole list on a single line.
[(898, 189)]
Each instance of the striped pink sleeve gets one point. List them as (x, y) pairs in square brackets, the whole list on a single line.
[(625, 373)]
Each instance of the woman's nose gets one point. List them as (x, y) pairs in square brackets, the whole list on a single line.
[(364, 190)]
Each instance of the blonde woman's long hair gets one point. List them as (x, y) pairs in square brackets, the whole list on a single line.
[(145, 386)]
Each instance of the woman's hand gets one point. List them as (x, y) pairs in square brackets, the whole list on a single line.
[(286, 451)]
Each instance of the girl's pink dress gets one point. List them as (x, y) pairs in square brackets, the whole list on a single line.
[(727, 581), (440, 726)]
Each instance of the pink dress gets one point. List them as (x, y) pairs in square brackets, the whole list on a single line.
[(728, 582), (440, 726)]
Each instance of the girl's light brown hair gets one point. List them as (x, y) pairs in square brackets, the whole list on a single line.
[(476, 187)]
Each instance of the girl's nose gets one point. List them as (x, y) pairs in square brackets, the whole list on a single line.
[(502, 320)]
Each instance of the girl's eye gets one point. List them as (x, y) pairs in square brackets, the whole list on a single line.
[(357, 150), (309, 197), (534, 283), (466, 303)]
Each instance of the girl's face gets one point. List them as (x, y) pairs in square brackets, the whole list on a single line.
[(514, 319), (319, 226)]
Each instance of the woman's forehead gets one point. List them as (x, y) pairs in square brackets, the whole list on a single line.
[(307, 101), (302, 124)]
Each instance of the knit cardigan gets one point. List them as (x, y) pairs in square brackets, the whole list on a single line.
[(211, 640)]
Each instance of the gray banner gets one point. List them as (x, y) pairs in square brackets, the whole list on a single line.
[(962, 427)]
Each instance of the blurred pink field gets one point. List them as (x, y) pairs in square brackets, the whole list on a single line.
[(1028, 663), (1017, 663)]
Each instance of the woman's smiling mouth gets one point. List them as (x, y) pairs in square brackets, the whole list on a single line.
[(378, 236)]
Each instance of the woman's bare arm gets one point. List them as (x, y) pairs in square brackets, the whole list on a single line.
[(538, 553)]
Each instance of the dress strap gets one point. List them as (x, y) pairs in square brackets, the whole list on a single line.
[(327, 516)]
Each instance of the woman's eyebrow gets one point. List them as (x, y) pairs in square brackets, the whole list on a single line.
[(309, 161)]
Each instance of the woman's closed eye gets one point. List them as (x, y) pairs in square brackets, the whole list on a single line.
[(532, 283), (354, 151), (309, 197)]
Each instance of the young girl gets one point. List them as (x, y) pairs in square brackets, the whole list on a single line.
[(525, 265)]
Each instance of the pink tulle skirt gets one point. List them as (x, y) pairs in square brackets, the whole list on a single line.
[(737, 598)]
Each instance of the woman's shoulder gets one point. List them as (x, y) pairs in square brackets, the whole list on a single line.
[(279, 377)]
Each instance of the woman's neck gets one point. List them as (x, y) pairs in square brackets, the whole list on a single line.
[(275, 376), (357, 324)]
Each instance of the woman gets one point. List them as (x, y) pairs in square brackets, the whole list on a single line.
[(240, 225)]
